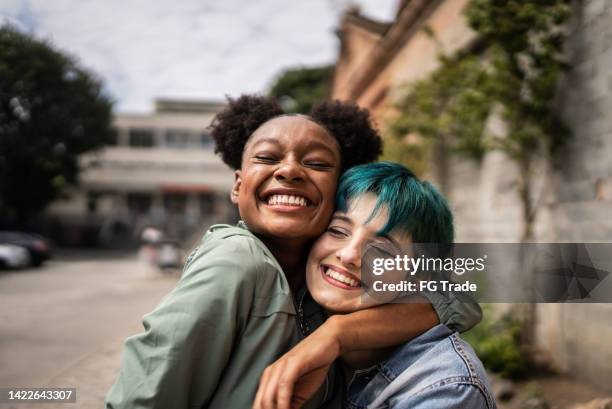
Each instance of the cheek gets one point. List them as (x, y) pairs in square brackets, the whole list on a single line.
[(323, 249), (251, 183), (327, 185), (319, 250), (328, 193), (312, 278)]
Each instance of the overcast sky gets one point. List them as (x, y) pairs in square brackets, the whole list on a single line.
[(192, 49)]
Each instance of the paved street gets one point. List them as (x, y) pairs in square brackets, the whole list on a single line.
[(63, 325)]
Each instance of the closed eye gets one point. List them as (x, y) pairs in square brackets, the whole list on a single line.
[(265, 158), (336, 232), (320, 165)]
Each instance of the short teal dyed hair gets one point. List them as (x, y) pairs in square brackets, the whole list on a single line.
[(414, 206)]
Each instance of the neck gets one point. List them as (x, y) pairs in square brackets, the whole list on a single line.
[(354, 360), (362, 359), (292, 256)]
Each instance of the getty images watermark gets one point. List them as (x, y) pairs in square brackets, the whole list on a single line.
[(490, 272), (409, 266)]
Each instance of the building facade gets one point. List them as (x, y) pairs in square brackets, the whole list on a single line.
[(159, 171), (574, 194)]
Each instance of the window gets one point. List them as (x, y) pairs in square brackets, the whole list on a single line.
[(141, 138), (175, 202), (206, 140), (139, 203), (207, 204), (178, 138)]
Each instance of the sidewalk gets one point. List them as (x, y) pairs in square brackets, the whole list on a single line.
[(64, 325), (92, 377)]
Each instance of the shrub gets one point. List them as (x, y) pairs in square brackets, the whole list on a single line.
[(497, 341)]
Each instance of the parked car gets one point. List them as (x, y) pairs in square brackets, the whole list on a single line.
[(12, 256), (37, 246)]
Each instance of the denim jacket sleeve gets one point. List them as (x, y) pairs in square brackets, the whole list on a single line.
[(458, 311), (450, 395)]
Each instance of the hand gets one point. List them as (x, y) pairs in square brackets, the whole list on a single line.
[(277, 392), (296, 376)]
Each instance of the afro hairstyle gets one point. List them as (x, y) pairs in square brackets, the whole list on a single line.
[(351, 126)]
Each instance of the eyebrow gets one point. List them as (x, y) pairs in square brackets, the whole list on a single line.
[(342, 218), (310, 145), (320, 145), (266, 140), (349, 221)]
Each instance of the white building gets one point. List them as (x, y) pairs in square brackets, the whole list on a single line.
[(160, 171)]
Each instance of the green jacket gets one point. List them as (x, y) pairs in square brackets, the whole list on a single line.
[(230, 315)]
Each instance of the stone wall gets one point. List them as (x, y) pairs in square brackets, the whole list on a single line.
[(574, 193), (580, 206)]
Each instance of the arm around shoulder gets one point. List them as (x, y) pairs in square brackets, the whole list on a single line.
[(458, 311)]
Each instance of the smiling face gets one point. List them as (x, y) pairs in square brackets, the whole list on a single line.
[(286, 186), (333, 271)]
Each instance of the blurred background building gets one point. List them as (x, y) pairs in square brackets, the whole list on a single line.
[(160, 171), (573, 194)]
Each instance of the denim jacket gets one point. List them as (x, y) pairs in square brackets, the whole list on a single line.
[(435, 370)]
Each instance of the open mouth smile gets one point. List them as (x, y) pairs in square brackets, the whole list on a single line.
[(287, 200), (339, 278)]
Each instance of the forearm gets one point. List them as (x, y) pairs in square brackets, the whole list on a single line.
[(303, 368), (382, 326)]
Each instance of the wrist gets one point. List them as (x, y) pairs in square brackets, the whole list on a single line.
[(334, 329)]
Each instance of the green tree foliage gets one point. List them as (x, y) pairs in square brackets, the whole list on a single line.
[(299, 89), (497, 341), (51, 110), (525, 43), (452, 105), (514, 75)]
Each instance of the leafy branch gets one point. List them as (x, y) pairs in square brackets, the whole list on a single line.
[(514, 75)]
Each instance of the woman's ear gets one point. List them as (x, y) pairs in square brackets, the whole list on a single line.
[(236, 188)]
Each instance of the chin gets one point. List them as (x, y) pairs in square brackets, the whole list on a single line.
[(294, 230), (334, 304)]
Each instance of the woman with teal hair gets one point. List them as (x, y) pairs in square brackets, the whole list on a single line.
[(382, 204)]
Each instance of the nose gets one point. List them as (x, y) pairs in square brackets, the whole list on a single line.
[(289, 170), (350, 254)]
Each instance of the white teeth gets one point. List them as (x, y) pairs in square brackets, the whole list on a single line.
[(287, 200), (341, 277)]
